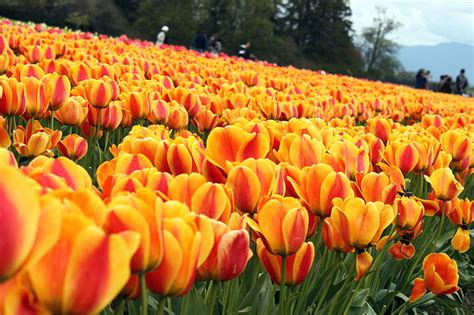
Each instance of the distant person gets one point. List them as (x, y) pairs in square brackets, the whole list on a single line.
[(445, 83), (419, 79), (425, 81), (244, 51), (200, 42), (215, 44), (461, 82), (161, 37)]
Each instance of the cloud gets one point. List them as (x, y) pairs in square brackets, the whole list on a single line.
[(423, 22)]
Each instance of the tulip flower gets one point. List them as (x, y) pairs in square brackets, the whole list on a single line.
[(233, 144), (159, 112), (213, 200), (36, 98), (73, 146), (12, 98), (410, 212), (89, 258), (72, 112), (205, 120), (252, 175), (457, 143), (403, 155), (98, 93), (440, 276), (346, 157), (177, 271), (132, 213), (139, 104), (462, 214), (300, 151), (79, 72), (7, 158), (30, 224), (282, 223), (380, 127), (229, 256), (377, 187), (444, 185), (58, 89), (178, 117), (400, 250), (35, 140), (319, 185), (298, 265)]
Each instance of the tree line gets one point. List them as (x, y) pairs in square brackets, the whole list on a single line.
[(315, 34)]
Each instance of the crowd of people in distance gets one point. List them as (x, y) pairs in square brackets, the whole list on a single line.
[(446, 82), (202, 43)]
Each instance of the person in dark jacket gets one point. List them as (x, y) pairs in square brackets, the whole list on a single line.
[(445, 84), (200, 42), (461, 82)]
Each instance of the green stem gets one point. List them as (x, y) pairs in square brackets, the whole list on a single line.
[(282, 285), (161, 306), (349, 302), (120, 308), (144, 295), (210, 298), (52, 119)]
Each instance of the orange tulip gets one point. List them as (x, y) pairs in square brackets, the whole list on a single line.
[(30, 226), (346, 157), (282, 223), (73, 111), (440, 276), (135, 213), (84, 257), (252, 175), (403, 155), (36, 98), (401, 250), (377, 187), (178, 117), (462, 214), (7, 158), (410, 213), (108, 118), (300, 151), (139, 104), (12, 98), (380, 127), (35, 140), (79, 72), (58, 89), (319, 185), (444, 185), (205, 120), (159, 112), (213, 200), (456, 143), (73, 146), (229, 255), (98, 92), (234, 144), (297, 267), (177, 271)]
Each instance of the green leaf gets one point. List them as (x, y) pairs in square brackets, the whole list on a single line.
[(360, 298), (253, 294)]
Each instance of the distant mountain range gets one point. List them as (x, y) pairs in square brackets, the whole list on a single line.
[(445, 58)]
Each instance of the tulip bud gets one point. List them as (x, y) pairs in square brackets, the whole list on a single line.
[(73, 146), (410, 212), (73, 111), (282, 224), (444, 185), (58, 89), (297, 267)]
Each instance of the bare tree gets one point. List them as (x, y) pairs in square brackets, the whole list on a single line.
[(377, 47)]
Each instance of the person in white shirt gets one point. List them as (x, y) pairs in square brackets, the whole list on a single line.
[(160, 38)]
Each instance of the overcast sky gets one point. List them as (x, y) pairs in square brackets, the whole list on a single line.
[(424, 22)]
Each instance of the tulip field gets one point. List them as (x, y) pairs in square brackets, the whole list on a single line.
[(137, 179)]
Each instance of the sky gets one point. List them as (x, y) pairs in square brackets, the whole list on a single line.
[(424, 22)]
